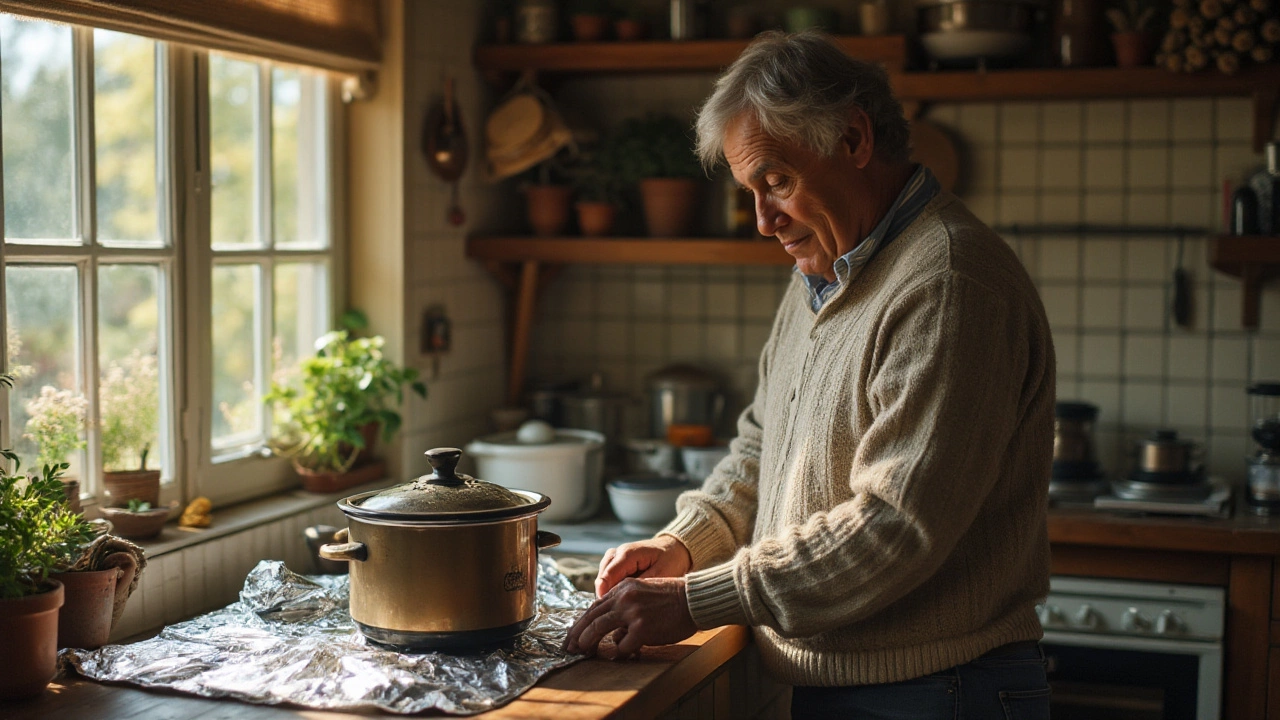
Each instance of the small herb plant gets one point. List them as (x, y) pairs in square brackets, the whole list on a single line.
[(138, 506), (129, 398), (655, 146), (40, 533), (56, 419), (347, 385)]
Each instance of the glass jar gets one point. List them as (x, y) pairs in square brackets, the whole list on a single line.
[(536, 21)]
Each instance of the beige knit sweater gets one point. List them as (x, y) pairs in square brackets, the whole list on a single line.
[(882, 513)]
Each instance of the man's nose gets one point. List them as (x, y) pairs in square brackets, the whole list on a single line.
[(769, 218)]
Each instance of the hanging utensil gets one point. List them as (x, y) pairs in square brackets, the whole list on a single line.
[(445, 143)]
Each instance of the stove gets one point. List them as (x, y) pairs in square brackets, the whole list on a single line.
[(1211, 500)]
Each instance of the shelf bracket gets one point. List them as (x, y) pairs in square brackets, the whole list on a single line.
[(533, 276)]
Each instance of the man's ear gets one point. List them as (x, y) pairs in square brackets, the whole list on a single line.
[(859, 140)]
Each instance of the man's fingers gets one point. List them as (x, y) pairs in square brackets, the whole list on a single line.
[(629, 644), (573, 641), (596, 630)]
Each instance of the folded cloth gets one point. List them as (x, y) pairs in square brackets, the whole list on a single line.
[(109, 551)]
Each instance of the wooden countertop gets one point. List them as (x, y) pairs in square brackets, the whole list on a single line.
[(588, 690), (1241, 534)]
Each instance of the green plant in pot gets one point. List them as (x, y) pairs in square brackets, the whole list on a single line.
[(332, 412), (1133, 40), (55, 422), (598, 190), (129, 412), (631, 23), (589, 19), (40, 535), (656, 152)]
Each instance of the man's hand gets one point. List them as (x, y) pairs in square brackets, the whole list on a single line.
[(663, 556), (654, 611)]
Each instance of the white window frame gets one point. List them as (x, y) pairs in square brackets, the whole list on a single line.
[(186, 263)]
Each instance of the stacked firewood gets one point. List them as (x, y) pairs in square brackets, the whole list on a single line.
[(1221, 34)]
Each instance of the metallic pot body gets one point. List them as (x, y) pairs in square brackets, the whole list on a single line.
[(1164, 453), (428, 585), (993, 15)]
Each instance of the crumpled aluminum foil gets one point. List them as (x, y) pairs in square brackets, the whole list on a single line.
[(290, 639)]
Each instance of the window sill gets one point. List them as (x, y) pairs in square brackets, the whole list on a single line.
[(246, 515)]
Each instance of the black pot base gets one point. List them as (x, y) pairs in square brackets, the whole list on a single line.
[(462, 641)]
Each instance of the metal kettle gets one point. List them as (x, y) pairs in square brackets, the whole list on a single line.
[(684, 395)]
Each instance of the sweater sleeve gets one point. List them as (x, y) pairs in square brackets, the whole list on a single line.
[(945, 393), (718, 519)]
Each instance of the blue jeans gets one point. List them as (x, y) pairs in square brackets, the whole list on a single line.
[(1008, 686)]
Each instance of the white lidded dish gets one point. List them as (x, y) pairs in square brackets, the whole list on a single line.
[(568, 469)]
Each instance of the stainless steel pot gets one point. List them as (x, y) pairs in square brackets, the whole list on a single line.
[(684, 395), (444, 562), (1165, 453), (963, 31)]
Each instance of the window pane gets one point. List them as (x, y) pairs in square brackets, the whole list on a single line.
[(233, 145), (124, 107), (301, 313), (43, 335), (237, 411), (298, 154), (128, 358), (35, 72)]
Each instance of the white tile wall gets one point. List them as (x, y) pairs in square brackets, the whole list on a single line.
[(209, 575), (1138, 162)]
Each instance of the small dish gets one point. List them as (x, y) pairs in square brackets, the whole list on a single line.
[(136, 525), (646, 503)]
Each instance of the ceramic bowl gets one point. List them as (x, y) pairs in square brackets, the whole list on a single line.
[(136, 525), (700, 461), (646, 503)]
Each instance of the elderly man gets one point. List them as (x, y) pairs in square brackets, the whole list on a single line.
[(880, 520)]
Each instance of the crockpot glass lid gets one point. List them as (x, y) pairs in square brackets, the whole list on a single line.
[(444, 491)]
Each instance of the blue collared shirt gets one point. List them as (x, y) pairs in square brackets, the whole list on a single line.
[(920, 189)]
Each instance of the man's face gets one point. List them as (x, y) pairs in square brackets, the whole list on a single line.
[(816, 206)]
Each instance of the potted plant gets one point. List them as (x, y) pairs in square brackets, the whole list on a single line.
[(631, 25), (55, 420), (137, 520), (129, 400), (598, 190), (40, 535), (547, 199), (656, 152), (1132, 39), (589, 20), (342, 396)]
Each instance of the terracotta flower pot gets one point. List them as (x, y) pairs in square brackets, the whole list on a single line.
[(129, 485), (548, 208), (136, 525), (1133, 48), (91, 596), (596, 217), (29, 642), (669, 205), (331, 482), (630, 30), (589, 28), (71, 488)]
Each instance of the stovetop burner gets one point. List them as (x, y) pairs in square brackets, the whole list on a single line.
[(1212, 499), (1072, 492), (1144, 489)]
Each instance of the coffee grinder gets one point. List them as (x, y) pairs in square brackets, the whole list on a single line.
[(1264, 466)]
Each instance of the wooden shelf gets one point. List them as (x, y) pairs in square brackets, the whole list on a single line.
[(628, 251), (658, 55), (1252, 258)]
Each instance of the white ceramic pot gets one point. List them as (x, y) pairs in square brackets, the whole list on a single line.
[(700, 461), (646, 503), (568, 469)]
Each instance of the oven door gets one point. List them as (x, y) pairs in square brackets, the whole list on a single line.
[(1101, 677)]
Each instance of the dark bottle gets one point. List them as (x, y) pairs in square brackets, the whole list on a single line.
[(1244, 211)]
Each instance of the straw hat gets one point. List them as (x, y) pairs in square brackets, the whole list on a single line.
[(521, 132)]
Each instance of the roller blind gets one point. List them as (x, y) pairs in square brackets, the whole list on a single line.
[(340, 35)]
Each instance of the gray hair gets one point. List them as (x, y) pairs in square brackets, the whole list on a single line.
[(800, 88)]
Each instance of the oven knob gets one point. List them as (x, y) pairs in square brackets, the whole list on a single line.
[(1168, 624), (1049, 615), (1133, 621), (1086, 617)]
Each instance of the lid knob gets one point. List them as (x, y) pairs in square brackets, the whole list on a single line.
[(444, 461)]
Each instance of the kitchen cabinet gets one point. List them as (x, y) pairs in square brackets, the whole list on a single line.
[(1252, 258)]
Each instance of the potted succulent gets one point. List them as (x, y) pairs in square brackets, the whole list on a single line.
[(129, 402), (1132, 39), (598, 190), (40, 535), (55, 420), (589, 20), (137, 520), (341, 397), (656, 151)]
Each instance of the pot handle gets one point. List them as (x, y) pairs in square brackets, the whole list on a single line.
[(345, 551), (547, 540)]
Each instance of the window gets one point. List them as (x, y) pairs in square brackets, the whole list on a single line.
[(151, 266)]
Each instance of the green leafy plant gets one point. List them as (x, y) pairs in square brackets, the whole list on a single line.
[(348, 384), (138, 506), (129, 399), (656, 145), (39, 533), (596, 176), (1130, 15), (56, 418)]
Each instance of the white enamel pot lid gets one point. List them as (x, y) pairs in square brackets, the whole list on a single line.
[(565, 443)]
